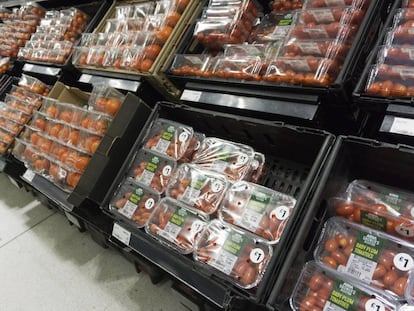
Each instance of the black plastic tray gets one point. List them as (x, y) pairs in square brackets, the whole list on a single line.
[(351, 158), (338, 94), (294, 157)]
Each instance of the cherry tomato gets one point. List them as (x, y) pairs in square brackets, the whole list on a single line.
[(316, 282)]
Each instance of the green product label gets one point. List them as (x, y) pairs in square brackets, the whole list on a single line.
[(373, 221), (286, 20), (179, 217), (168, 133), (152, 165), (392, 200), (258, 202), (234, 243), (136, 196), (368, 246), (344, 295), (198, 183)]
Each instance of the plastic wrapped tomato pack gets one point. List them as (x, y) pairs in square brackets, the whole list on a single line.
[(239, 256), (342, 15), (396, 55), (226, 157), (26, 95), (13, 114), (370, 256), (386, 80), (134, 202), (320, 288), (6, 136), (286, 5), (105, 99), (21, 105), (200, 189), (175, 225), (169, 138), (317, 48), (257, 209), (34, 85), (336, 3), (152, 170), (10, 126)]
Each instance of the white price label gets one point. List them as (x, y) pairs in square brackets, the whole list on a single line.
[(374, 305), (149, 203), (217, 186), (183, 137), (166, 171), (280, 213), (403, 262), (29, 175), (242, 159), (256, 255), (72, 219), (403, 126), (405, 231), (191, 95), (121, 234)]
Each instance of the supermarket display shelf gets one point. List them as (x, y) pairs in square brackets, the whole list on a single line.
[(351, 158), (288, 171), (286, 98)]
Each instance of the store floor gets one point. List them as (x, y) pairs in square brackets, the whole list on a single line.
[(46, 264)]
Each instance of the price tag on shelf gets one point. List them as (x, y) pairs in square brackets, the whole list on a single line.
[(50, 71), (73, 219), (127, 85), (403, 126), (121, 234), (190, 95), (29, 175)]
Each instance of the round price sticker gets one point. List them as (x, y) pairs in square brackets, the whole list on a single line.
[(149, 203), (217, 186), (183, 137), (405, 231), (403, 262), (280, 213), (242, 159), (256, 255), (166, 171), (374, 305)]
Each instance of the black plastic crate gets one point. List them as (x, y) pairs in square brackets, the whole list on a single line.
[(337, 94), (351, 158), (370, 102), (294, 158)]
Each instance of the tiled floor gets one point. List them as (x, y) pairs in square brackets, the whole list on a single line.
[(45, 264)]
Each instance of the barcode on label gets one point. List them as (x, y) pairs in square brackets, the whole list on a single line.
[(162, 146), (146, 177), (224, 262), (170, 232), (190, 195), (360, 267), (250, 220)]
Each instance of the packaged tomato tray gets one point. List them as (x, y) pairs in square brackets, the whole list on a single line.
[(400, 36), (169, 138), (320, 288), (370, 256), (286, 5), (152, 170), (134, 202), (239, 256), (34, 85), (226, 157), (318, 48), (396, 55), (336, 3), (175, 225), (257, 209), (6, 136), (343, 15), (105, 99), (21, 105), (244, 68), (333, 30), (193, 146), (200, 189), (13, 114), (28, 96), (379, 207), (10, 125), (273, 27), (391, 80)]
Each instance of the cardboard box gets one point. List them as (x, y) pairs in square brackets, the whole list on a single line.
[(106, 163)]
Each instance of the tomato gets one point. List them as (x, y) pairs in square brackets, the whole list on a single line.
[(329, 261), (112, 106), (40, 124), (339, 257), (164, 33), (146, 65), (152, 51), (181, 5), (316, 282), (389, 278), (331, 245), (307, 303), (81, 163), (172, 19), (379, 272), (399, 286)]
